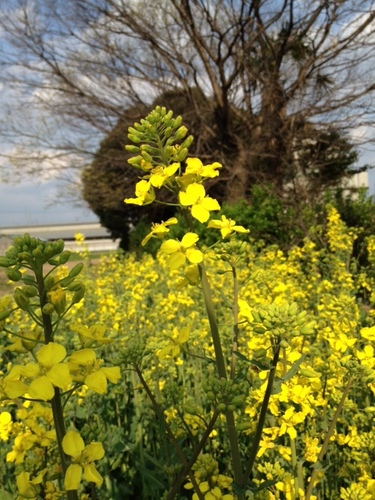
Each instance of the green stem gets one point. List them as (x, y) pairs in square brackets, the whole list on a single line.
[(57, 408), (235, 323), (221, 369), (179, 451), (327, 438), (262, 419)]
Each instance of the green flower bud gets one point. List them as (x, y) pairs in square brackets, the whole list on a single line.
[(134, 138), (4, 262), (221, 407), (58, 246), (48, 309), (14, 274), (79, 294), (64, 257), (231, 407), (244, 426), (30, 291), (238, 400), (4, 315), (21, 299), (192, 410), (181, 132), (284, 344), (260, 353), (132, 149), (76, 270), (182, 154)]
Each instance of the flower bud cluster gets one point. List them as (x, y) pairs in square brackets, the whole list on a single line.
[(224, 394), (159, 128), (282, 321)]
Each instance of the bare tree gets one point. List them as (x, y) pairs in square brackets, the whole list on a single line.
[(271, 74)]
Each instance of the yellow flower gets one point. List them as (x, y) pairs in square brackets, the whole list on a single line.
[(87, 369), (88, 336), (196, 167), (160, 175), (245, 310), (28, 488), (11, 386), (180, 251), (5, 425), (144, 194), (226, 226), (159, 230), (174, 348), (201, 205), (82, 458), (48, 372), (289, 420)]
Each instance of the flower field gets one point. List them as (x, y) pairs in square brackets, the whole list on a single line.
[(153, 406)]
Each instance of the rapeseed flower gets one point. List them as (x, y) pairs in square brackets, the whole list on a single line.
[(226, 226), (160, 175), (201, 205), (195, 166), (158, 230), (95, 334), (86, 369), (82, 458), (48, 373), (29, 488), (180, 251), (179, 337), (144, 194)]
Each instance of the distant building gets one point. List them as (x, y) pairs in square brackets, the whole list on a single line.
[(96, 236)]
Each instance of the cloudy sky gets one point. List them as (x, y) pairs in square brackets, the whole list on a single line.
[(37, 201), (30, 203)]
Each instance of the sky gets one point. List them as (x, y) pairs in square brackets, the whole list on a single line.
[(38, 201), (31, 203)]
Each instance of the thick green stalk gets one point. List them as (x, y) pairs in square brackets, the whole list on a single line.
[(261, 420), (57, 408), (327, 438), (235, 323), (221, 369)]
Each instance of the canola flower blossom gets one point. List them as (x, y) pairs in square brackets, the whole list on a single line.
[(180, 251), (144, 193), (82, 458), (87, 369), (48, 373), (226, 226), (200, 204), (159, 230)]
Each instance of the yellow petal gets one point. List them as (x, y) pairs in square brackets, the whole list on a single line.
[(60, 376), (41, 388), (200, 213), (210, 203), (51, 354), (194, 256), (189, 240), (14, 388), (94, 451), (83, 357), (97, 382), (170, 246), (73, 444), (112, 373), (183, 335), (91, 474), (73, 477), (176, 260)]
